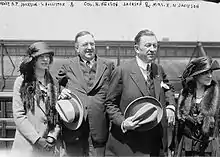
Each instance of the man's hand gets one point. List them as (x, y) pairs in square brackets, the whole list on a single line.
[(129, 124), (65, 94), (170, 116)]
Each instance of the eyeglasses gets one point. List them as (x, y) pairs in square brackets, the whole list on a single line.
[(88, 44)]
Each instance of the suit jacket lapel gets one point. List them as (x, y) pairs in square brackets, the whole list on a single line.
[(101, 67), (138, 77), (78, 73), (157, 80)]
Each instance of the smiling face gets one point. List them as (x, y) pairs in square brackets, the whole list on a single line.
[(43, 62), (85, 47), (204, 78), (146, 49)]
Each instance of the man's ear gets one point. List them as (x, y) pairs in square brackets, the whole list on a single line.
[(76, 47), (136, 48)]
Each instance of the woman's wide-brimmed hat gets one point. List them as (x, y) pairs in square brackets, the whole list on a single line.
[(147, 110), (199, 66), (39, 48), (34, 50), (71, 112)]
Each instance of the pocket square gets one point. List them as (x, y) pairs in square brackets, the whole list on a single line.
[(164, 85)]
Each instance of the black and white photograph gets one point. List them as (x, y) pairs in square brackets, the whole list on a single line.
[(109, 78)]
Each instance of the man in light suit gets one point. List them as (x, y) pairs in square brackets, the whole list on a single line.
[(86, 75), (137, 78)]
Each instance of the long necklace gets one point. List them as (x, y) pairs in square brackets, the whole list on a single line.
[(42, 93), (43, 87)]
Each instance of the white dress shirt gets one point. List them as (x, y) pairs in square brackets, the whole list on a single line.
[(91, 62), (143, 67)]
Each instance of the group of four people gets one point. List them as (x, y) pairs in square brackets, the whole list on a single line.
[(105, 92)]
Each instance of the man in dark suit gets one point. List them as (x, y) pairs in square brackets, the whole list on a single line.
[(139, 77), (86, 75)]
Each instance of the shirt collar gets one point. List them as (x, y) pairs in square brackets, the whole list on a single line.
[(91, 62), (142, 64)]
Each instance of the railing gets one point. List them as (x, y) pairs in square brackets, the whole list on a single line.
[(6, 120), (5, 95)]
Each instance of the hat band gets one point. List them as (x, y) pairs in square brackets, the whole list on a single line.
[(62, 111), (76, 114)]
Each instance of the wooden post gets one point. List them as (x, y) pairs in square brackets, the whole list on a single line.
[(2, 65), (118, 55)]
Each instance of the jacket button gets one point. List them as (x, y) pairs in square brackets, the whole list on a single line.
[(77, 139)]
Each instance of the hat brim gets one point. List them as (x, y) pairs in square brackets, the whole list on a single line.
[(77, 124), (28, 59), (44, 51), (141, 101), (214, 66)]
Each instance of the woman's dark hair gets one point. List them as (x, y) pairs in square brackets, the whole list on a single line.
[(27, 67), (190, 87), (27, 70), (28, 85)]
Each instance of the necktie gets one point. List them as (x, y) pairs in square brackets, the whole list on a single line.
[(148, 74), (88, 64), (148, 67)]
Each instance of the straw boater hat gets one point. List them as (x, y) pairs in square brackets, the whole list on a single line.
[(200, 65), (71, 112), (147, 110)]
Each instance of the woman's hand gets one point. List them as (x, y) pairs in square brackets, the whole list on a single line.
[(43, 144)]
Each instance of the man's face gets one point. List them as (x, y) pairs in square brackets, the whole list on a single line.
[(147, 48), (86, 47)]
